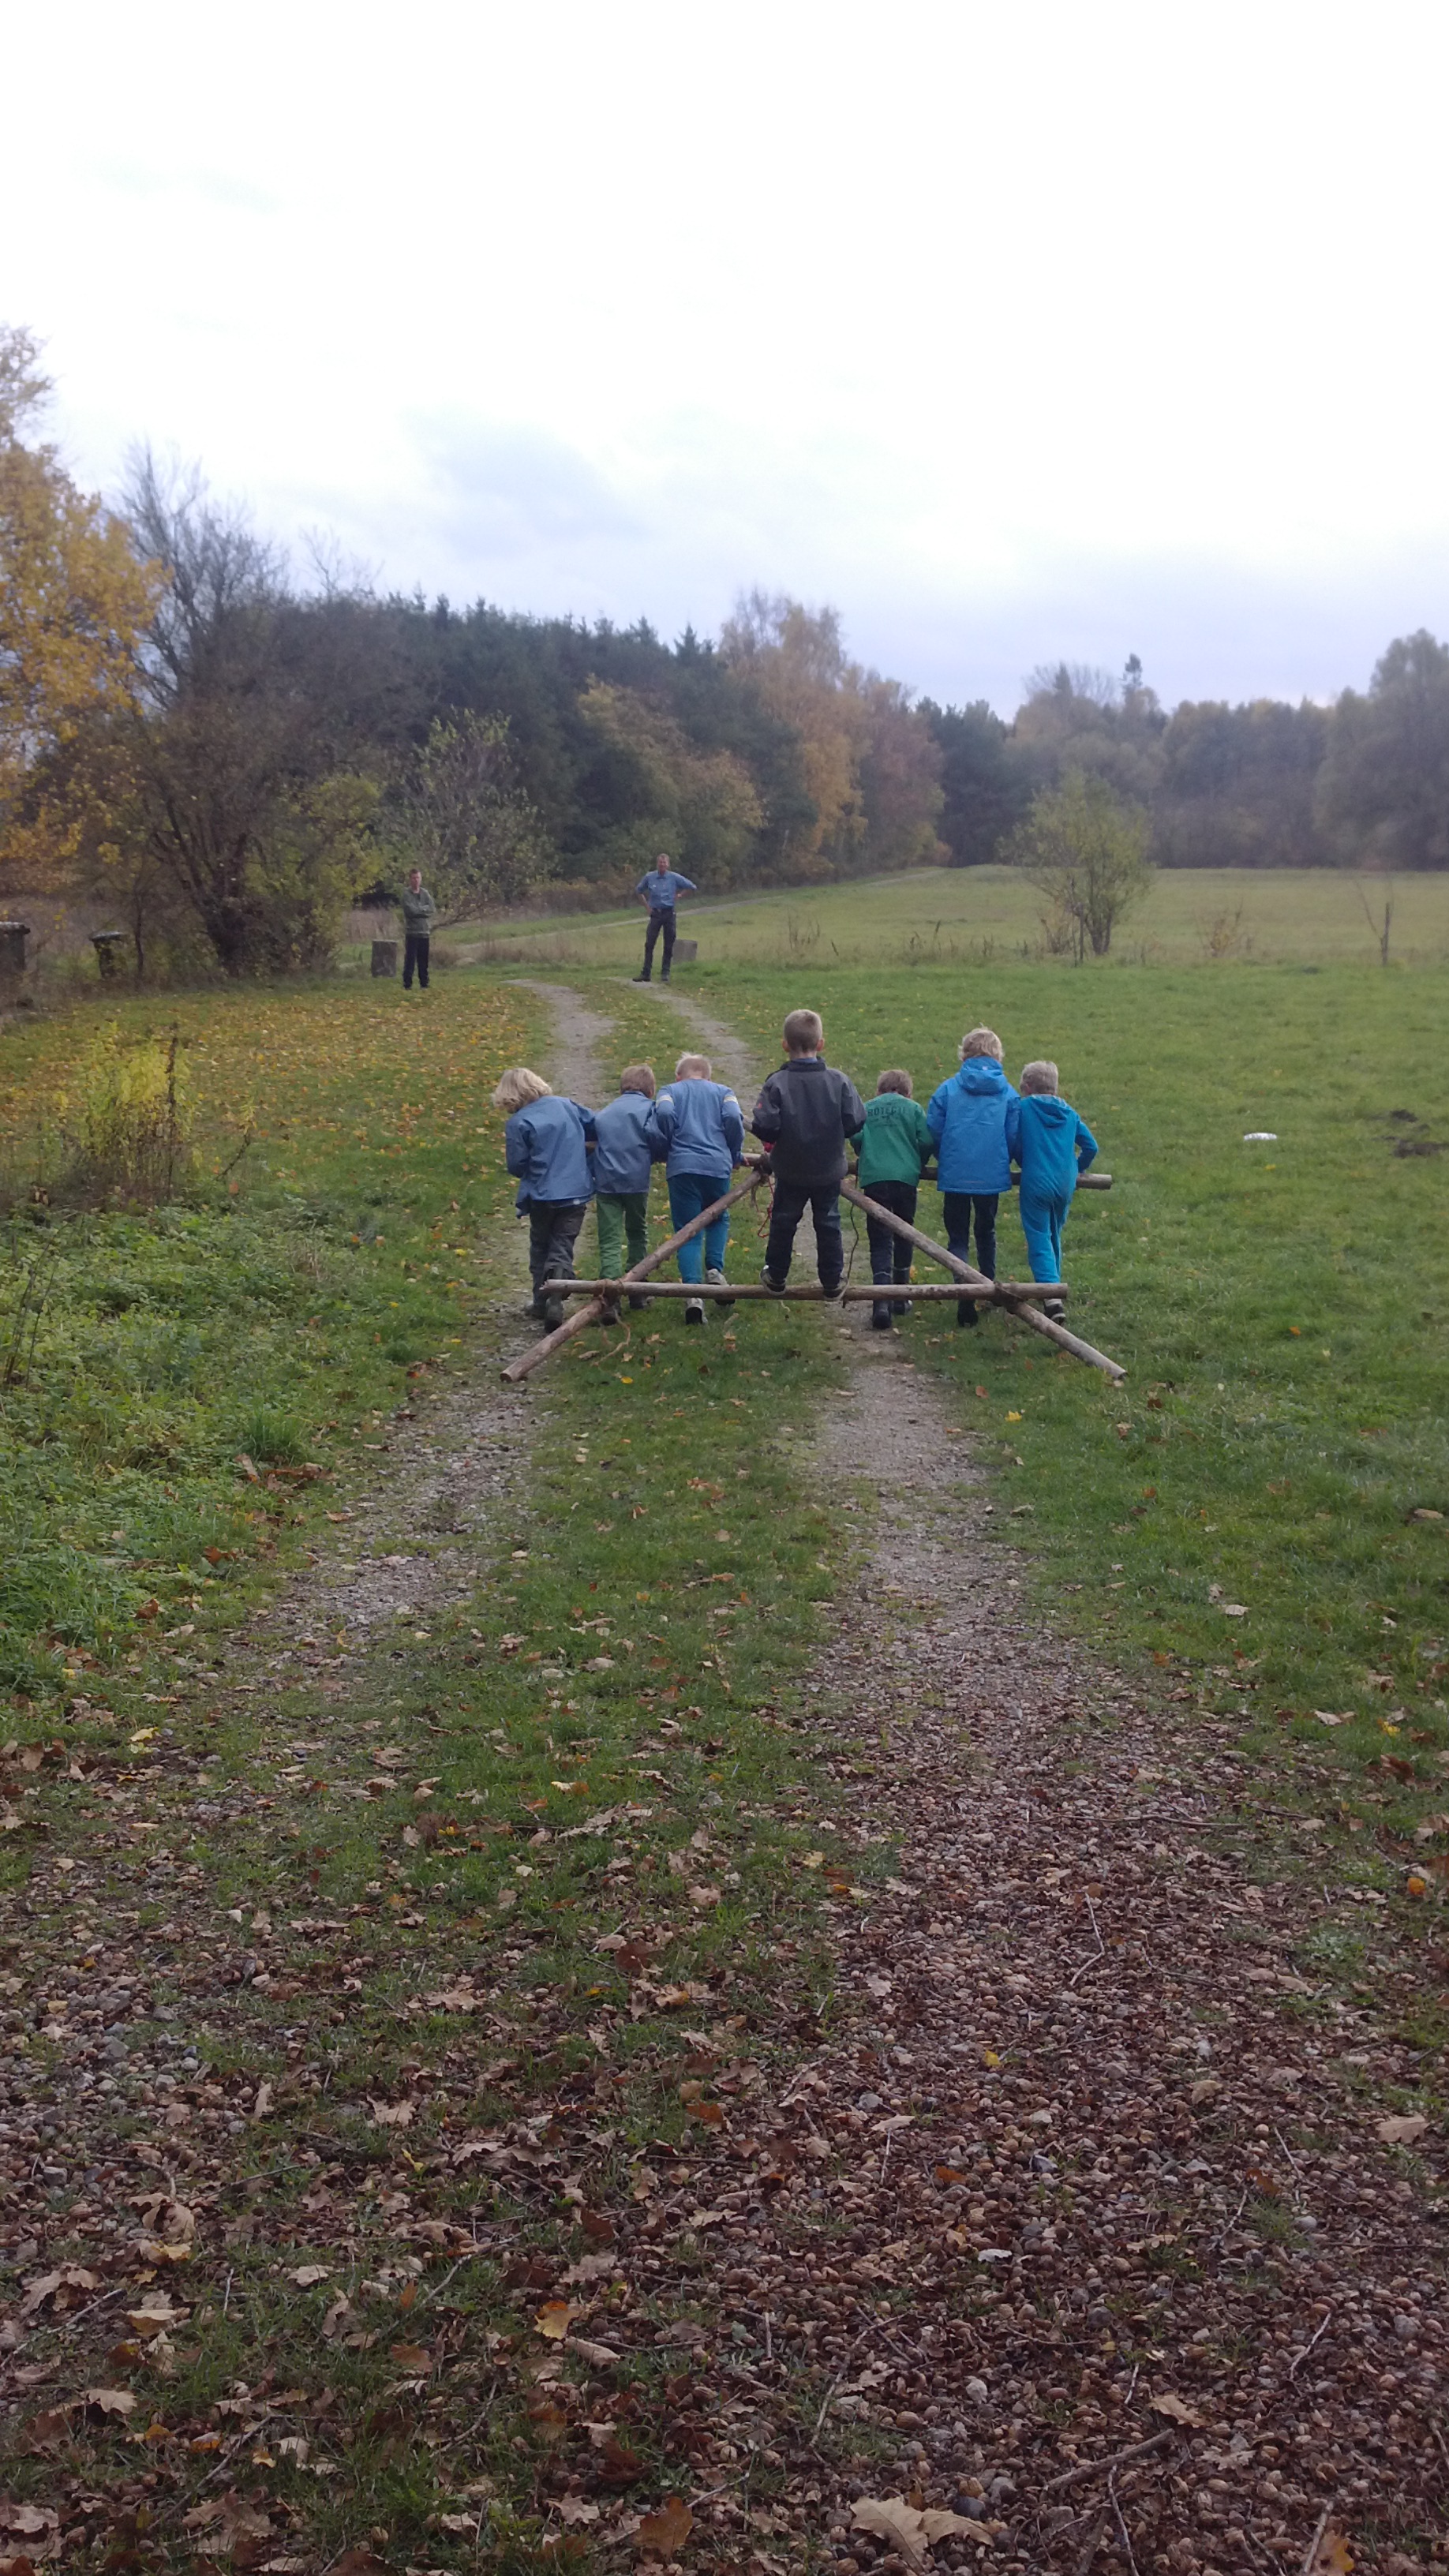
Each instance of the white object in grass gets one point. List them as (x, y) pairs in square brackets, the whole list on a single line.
[(1260, 1136)]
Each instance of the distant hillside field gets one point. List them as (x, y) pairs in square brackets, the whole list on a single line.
[(1313, 916)]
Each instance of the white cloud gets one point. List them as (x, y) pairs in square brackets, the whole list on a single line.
[(1013, 333)]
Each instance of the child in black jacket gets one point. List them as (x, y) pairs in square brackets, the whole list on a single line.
[(804, 1115)]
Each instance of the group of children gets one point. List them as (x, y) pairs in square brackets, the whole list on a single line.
[(975, 1129)]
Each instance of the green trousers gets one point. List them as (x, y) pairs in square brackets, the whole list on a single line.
[(619, 1217)]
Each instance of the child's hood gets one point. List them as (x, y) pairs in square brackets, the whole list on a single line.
[(1049, 1109), (982, 1073)]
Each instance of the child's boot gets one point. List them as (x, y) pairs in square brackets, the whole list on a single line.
[(880, 1317), (694, 1310), (966, 1312), (716, 1279)]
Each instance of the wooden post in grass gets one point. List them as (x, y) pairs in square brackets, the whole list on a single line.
[(527, 1361), (977, 1279)]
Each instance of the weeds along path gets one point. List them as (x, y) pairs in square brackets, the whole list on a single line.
[(452, 1459)]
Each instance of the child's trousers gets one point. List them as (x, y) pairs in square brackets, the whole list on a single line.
[(791, 1200), (553, 1230), (958, 1207), (690, 1193), (1041, 1222), (620, 1215), (890, 1254)]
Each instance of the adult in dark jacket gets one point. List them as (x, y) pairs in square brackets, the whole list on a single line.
[(419, 912), (546, 1144), (805, 1114)]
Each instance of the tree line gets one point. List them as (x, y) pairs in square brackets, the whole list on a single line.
[(229, 756)]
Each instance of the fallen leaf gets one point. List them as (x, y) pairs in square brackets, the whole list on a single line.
[(1401, 2128), (111, 2401), (1176, 2408), (392, 2115), (667, 2528), (411, 2356), (307, 2274), (891, 2518), (1331, 2556), (554, 2319)]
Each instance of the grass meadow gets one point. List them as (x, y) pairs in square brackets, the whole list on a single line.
[(989, 916), (358, 1910)]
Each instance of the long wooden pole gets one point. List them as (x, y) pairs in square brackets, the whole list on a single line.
[(977, 1279), (527, 1361), (1001, 1292)]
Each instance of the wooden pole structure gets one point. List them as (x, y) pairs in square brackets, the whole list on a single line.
[(997, 1292), (977, 1279), (527, 1361)]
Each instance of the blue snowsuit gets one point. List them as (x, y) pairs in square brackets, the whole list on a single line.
[(967, 1120), (1052, 1145), (698, 1128)]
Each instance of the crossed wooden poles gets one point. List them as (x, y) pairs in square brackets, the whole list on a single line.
[(1020, 1297)]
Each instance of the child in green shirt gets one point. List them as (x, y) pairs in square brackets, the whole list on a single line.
[(895, 1147)]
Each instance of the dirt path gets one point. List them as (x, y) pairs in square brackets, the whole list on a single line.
[(1076, 2222), (1098, 2166), (454, 1458)]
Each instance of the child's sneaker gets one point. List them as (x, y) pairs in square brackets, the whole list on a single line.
[(716, 1279), (637, 1305), (1053, 1309), (776, 1286), (880, 1318), (553, 1312), (966, 1312), (694, 1310), (903, 1306)]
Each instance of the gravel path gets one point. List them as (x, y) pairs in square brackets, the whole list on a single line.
[(1108, 2221)]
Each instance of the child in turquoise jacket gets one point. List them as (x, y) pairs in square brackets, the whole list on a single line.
[(1053, 1147)]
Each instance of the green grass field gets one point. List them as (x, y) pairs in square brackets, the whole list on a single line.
[(969, 916), (607, 1716)]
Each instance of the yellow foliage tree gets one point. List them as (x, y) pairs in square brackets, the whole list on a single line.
[(73, 604), (703, 806), (794, 658)]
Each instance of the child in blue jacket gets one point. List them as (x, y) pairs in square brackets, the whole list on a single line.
[(546, 1143), (967, 1120), (697, 1129), (1052, 1145), (622, 1160)]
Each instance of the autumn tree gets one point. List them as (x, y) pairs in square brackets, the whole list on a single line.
[(462, 818), (258, 770), (1086, 851), (74, 598), (869, 762), (700, 805)]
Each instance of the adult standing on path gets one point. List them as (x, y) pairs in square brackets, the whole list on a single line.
[(660, 888), (418, 909)]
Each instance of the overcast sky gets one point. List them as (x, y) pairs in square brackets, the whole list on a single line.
[(1013, 332)]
